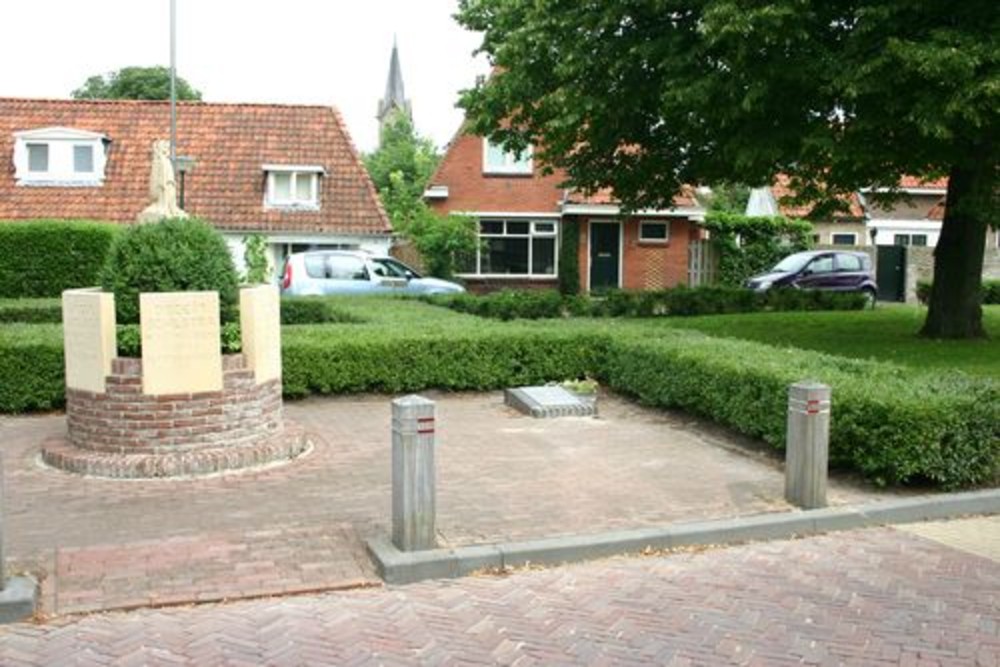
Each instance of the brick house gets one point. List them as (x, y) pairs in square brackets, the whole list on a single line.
[(289, 173), (524, 217)]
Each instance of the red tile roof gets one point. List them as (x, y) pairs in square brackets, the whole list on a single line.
[(915, 183), (230, 143), (605, 196), (782, 189)]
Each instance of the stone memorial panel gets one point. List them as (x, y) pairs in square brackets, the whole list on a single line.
[(180, 342), (260, 325), (89, 340)]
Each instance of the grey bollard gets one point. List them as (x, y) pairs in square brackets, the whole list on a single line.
[(413, 491), (807, 444)]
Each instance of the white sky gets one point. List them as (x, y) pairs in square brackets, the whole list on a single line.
[(291, 51)]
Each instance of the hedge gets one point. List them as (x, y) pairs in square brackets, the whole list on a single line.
[(890, 424), (40, 258), (676, 301), (313, 310), (991, 292), (893, 424), (30, 311)]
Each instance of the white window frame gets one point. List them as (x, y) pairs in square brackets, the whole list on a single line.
[(294, 172), (511, 165), (62, 143), (654, 241), (533, 233)]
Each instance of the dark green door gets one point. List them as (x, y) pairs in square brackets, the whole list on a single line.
[(605, 249), (890, 273)]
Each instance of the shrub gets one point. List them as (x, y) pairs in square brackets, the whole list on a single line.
[(255, 258), (676, 301), (30, 311), (313, 310), (892, 425), (168, 256), (31, 365), (991, 292), (40, 258), (569, 258), (130, 339), (750, 245)]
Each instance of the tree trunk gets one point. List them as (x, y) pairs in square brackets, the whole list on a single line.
[(955, 305)]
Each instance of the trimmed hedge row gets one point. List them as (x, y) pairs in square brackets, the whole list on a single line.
[(313, 310), (30, 311), (45, 257), (677, 301), (888, 423), (991, 292), (892, 424)]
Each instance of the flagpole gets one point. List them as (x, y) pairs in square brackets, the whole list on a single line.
[(173, 84)]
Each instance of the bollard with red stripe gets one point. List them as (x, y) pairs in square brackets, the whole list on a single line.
[(807, 444), (413, 473)]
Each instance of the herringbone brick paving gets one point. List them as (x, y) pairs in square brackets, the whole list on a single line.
[(501, 476), (873, 597)]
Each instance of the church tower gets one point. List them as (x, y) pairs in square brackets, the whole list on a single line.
[(394, 99)]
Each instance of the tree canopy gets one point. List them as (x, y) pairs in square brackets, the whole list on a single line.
[(647, 95), (134, 83)]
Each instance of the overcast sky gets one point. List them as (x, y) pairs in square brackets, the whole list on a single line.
[(292, 51)]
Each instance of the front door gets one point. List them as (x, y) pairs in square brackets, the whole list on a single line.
[(605, 255)]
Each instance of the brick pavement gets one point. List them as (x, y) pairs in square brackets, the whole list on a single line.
[(872, 597), (502, 476)]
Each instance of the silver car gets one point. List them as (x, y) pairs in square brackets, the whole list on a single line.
[(348, 272)]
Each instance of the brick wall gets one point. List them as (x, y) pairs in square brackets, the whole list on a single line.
[(469, 189), (646, 265), (124, 420)]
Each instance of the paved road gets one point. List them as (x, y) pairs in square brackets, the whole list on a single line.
[(873, 597)]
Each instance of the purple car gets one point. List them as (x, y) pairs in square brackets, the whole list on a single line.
[(820, 269)]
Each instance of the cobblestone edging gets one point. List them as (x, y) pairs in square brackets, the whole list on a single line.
[(398, 567)]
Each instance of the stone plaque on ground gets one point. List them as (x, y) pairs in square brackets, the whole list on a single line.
[(552, 401), (180, 342), (89, 340), (260, 324)]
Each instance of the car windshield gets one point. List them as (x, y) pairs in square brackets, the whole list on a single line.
[(390, 268), (792, 263)]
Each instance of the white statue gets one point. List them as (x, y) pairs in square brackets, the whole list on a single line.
[(162, 187)]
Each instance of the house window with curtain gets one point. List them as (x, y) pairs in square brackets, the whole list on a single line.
[(510, 248)]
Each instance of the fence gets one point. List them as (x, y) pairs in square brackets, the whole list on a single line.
[(703, 263)]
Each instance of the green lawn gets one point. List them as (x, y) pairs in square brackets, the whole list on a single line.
[(888, 333)]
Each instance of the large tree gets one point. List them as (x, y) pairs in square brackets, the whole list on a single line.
[(134, 83), (646, 95)]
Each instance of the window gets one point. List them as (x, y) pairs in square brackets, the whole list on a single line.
[(498, 161), (293, 189), (910, 239), (654, 232), (83, 159), (844, 239), (335, 267), (849, 263), (822, 264), (38, 158), (514, 248), (59, 156)]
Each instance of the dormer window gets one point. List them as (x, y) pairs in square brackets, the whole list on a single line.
[(59, 156), (293, 187), (496, 160)]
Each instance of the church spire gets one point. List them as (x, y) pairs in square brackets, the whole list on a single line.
[(395, 97)]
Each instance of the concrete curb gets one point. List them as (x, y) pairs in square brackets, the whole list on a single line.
[(397, 567), (18, 599)]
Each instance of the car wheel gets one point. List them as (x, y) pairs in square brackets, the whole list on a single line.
[(870, 297)]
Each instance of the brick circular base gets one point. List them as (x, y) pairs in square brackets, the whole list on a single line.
[(122, 432), (60, 453)]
